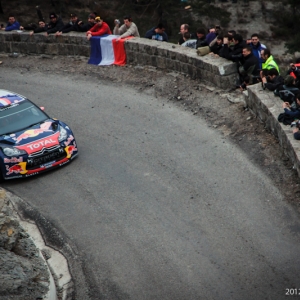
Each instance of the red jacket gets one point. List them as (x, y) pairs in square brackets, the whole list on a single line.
[(100, 30)]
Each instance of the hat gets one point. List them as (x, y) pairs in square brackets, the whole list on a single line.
[(289, 80), (52, 15), (73, 15), (92, 16)]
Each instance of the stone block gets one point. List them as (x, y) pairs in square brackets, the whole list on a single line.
[(51, 49)]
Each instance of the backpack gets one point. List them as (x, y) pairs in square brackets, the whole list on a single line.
[(287, 96), (285, 119)]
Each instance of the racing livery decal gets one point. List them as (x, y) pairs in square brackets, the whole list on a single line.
[(34, 132), (70, 150), (38, 145), (13, 160), (17, 169)]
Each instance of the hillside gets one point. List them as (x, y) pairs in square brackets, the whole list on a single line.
[(246, 17)]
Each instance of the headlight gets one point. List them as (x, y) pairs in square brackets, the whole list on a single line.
[(11, 151), (63, 134)]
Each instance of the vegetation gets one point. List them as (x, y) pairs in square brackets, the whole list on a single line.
[(287, 24)]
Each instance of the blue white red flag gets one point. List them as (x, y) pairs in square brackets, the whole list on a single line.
[(105, 50)]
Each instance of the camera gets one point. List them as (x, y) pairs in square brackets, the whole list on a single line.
[(118, 21)]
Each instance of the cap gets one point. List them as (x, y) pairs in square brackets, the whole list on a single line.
[(52, 15), (73, 15), (92, 16)]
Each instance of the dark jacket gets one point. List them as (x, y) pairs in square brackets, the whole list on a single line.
[(71, 27), (293, 112), (152, 35), (250, 65), (215, 48), (201, 42), (85, 27), (234, 54), (54, 27), (275, 83)]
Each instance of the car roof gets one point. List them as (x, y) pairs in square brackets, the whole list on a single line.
[(8, 97)]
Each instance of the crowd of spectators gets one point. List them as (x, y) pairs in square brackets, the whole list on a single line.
[(254, 61)]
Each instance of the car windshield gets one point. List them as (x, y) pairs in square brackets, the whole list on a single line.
[(20, 116)]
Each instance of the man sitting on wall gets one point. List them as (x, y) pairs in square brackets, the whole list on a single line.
[(127, 29), (100, 28)]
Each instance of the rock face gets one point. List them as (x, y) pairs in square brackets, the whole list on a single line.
[(23, 272)]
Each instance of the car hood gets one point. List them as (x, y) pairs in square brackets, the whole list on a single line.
[(34, 138)]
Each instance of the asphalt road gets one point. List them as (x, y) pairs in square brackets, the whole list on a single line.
[(159, 205)]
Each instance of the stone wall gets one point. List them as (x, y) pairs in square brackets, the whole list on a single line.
[(139, 51), (74, 44), (266, 106)]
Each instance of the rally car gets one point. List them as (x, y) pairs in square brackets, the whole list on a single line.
[(30, 141)]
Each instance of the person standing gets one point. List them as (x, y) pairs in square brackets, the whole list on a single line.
[(12, 24), (257, 47)]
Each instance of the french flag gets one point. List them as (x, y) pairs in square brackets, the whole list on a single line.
[(105, 50)]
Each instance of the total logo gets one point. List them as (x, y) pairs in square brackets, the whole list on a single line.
[(38, 145)]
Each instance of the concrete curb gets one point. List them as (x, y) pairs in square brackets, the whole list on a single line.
[(60, 278)]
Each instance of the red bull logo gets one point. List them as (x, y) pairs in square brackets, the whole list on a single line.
[(17, 169), (13, 160), (34, 132), (38, 145), (69, 140), (70, 149)]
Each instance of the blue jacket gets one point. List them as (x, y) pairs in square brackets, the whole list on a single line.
[(152, 35), (293, 112), (14, 26), (256, 51)]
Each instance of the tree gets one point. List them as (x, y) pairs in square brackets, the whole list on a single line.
[(287, 24)]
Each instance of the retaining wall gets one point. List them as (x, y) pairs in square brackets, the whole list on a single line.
[(139, 51), (267, 107)]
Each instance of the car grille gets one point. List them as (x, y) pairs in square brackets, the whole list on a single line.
[(33, 162)]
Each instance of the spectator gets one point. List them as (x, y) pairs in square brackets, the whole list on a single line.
[(290, 84), (183, 29), (269, 62), (201, 40), (294, 71), (41, 22), (127, 29), (100, 28), (73, 25), (273, 81), (217, 47), (157, 33), (12, 24), (234, 54), (42, 27), (249, 70), (211, 35), (188, 42), (56, 24), (290, 111), (257, 47), (86, 27)]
